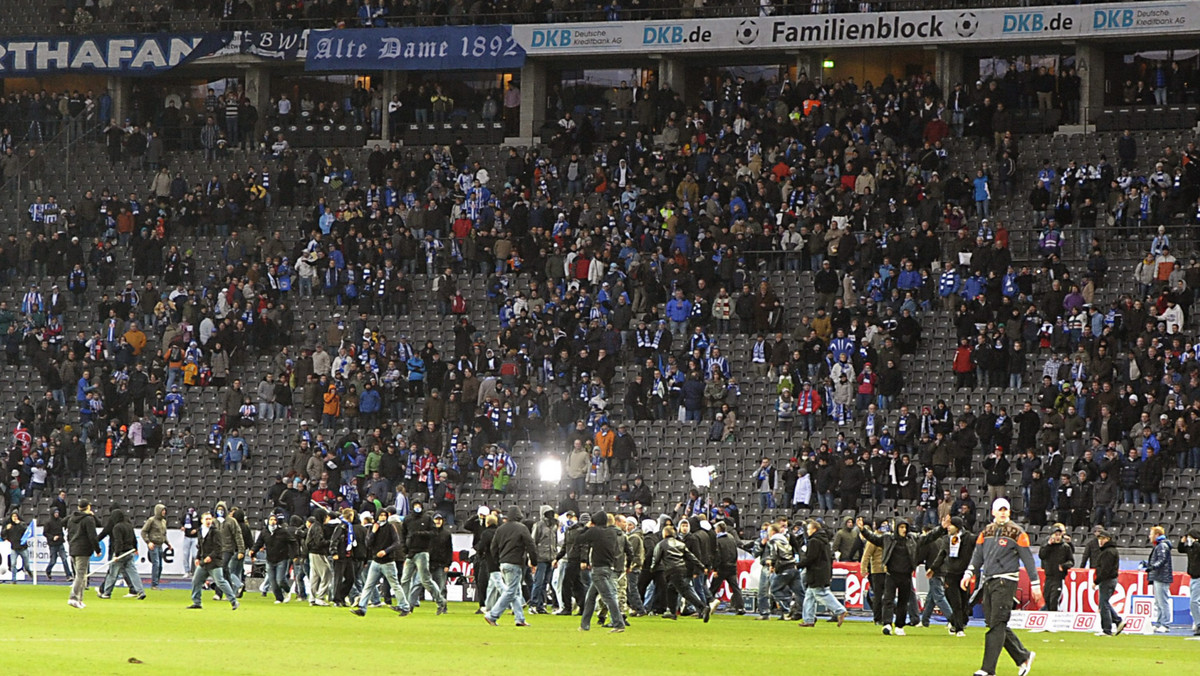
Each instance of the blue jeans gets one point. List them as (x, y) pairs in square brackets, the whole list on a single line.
[(511, 596), (1132, 495), (541, 577), (233, 570), (416, 571), (1108, 616), (825, 501), (763, 600), (936, 597), (789, 580), (218, 575), (128, 566), (386, 571), (59, 552), (277, 578), (814, 594), (155, 557), (495, 587), (1162, 604), (604, 585), (23, 557)]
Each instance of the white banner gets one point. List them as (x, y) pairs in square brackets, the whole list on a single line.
[(39, 555), (1137, 619), (934, 27)]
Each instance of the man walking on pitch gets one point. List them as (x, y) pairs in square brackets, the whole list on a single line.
[(125, 554), (208, 563), (1107, 563), (82, 543), (513, 549), (1001, 548), (610, 552)]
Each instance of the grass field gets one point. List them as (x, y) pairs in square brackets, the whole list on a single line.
[(40, 634)]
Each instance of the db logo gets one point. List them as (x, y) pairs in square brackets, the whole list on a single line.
[(1134, 624), (1084, 622), (1036, 621), (1141, 607)]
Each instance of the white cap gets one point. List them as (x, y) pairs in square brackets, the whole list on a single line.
[(1000, 503), (483, 510)]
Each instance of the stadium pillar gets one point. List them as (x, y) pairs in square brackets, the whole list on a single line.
[(533, 99), (257, 84), (808, 63), (120, 89), (948, 69), (389, 87), (1089, 66), (672, 75)]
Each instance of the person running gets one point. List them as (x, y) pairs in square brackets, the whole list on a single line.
[(513, 549), (673, 558), (1001, 548), (209, 564)]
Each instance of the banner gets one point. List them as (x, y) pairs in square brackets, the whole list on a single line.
[(280, 45), (440, 48), (106, 54), (851, 30)]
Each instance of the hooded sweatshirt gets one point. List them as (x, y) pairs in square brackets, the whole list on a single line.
[(81, 535), (155, 529), (122, 539)]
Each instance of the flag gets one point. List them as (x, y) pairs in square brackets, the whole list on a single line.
[(29, 532)]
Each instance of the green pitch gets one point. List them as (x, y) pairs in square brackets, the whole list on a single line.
[(40, 634)]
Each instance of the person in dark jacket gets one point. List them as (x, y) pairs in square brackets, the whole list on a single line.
[(900, 558), (1058, 557), (817, 562), (1039, 499), (610, 554), (417, 531), (488, 580), (341, 549), (441, 552), (513, 549), (1190, 544), (280, 545), (82, 543), (569, 555), (725, 558), (14, 533), (208, 563), (673, 558), (384, 548), (123, 544), (55, 533), (958, 544), (1107, 564), (320, 568)]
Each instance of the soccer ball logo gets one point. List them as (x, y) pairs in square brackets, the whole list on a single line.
[(747, 32), (966, 25)]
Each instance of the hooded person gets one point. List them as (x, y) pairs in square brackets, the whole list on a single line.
[(1001, 548), (320, 568), (154, 534), (82, 543), (545, 542), (53, 531), (233, 547), (901, 559), (817, 562), (513, 549), (417, 533), (208, 564), (123, 544), (571, 555)]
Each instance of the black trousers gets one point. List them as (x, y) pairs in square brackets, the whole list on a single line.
[(959, 599), (897, 595), (878, 589), (728, 574), (481, 581), (1053, 592), (997, 597), (344, 573), (679, 582), (572, 585)]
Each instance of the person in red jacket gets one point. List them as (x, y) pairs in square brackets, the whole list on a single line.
[(865, 392), (808, 406), (964, 366)]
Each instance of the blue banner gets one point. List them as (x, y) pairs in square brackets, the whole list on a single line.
[(110, 54), (441, 48)]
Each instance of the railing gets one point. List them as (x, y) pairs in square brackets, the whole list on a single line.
[(741, 8)]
